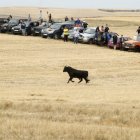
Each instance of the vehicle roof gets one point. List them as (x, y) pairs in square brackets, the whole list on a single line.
[(63, 23), (91, 28)]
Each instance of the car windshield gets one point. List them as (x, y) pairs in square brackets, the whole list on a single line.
[(44, 24), (13, 21), (90, 31), (55, 26), (127, 38)]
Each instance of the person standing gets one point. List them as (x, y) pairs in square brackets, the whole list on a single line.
[(29, 18), (66, 33), (121, 42), (9, 18), (72, 19), (50, 18), (66, 18), (40, 17), (23, 28), (85, 24), (102, 30), (115, 40), (97, 31), (76, 36), (106, 34), (78, 23), (138, 30), (106, 29)]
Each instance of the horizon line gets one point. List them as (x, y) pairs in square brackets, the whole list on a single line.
[(68, 7)]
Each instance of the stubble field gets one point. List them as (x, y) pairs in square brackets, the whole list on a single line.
[(36, 103)]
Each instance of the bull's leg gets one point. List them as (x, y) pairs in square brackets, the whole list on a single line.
[(87, 80), (70, 79), (81, 79)]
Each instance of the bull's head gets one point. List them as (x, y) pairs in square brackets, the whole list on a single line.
[(65, 69)]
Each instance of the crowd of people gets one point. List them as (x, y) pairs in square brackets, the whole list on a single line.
[(102, 34)]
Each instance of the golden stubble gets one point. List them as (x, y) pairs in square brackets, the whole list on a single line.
[(36, 102)]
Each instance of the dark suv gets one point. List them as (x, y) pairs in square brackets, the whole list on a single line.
[(56, 30), (7, 27), (3, 21), (37, 30), (28, 26)]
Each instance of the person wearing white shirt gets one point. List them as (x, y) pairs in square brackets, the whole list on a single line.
[(76, 36)]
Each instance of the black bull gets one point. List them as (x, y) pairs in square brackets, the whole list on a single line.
[(73, 73)]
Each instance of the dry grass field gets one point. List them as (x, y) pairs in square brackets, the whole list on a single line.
[(36, 103)]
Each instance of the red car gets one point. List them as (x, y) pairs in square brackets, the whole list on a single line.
[(133, 44), (118, 45)]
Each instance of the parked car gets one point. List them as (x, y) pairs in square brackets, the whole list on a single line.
[(7, 27), (28, 26), (71, 32), (37, 30), (118, 45), (56, 30), (88, 35), (3, 21), (100, 38), (133, 44)]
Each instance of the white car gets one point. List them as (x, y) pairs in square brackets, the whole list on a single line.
[(88, 35)]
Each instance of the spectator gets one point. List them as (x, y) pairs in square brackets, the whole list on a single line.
[(102, 30), (97, 29), (138, 30), (76, 36), (9, 18), (121, 41), (78, 23), (50, 18), (23, 28), (106, 34), (29, 18), (66, 33), (72, 19), (97, 32), (66, 18), (115, 39), (40, 16), (106, 28), (85, 24)]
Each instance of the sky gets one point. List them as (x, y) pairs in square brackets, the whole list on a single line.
[(118, 4)]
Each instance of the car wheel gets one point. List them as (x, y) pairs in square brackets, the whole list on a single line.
[(137, 49), (44, 36), (125, 49), (56, 36), (90, 41), (33, 34), (12, 32)]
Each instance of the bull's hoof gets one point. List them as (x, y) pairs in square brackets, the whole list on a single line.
[(87, 81)]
